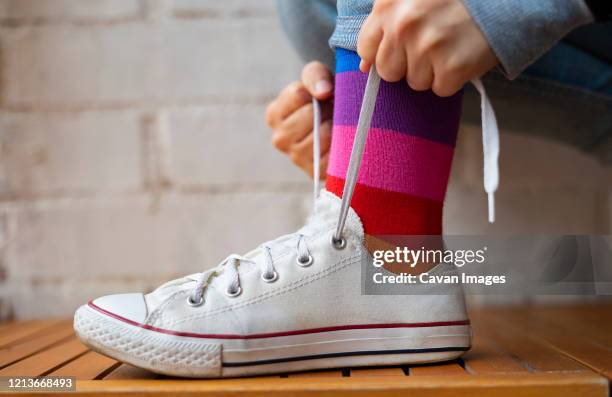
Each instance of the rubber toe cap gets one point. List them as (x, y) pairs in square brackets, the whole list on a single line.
[(130, 307)]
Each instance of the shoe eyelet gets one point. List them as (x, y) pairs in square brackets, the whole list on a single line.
[(233, 293), (305, 261), (196, 303), (269, 279), (338, 243)]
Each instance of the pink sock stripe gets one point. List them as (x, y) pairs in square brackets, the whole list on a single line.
[(394, 161)]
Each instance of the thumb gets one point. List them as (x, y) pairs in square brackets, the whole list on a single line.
[(318, 80)]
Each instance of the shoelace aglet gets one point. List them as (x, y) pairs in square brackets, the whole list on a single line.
[(491, 197)]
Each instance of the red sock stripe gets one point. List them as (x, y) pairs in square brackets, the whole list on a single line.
[(385, 212)]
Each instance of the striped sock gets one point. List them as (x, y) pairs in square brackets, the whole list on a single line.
[(408, 154)]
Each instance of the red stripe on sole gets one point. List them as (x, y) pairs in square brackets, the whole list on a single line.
[(278, 334), (384, 212)]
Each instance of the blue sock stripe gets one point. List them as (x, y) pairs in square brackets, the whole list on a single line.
[(346, 60)]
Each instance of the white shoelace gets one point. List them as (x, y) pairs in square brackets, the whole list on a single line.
[(490, 147), (229, 266)]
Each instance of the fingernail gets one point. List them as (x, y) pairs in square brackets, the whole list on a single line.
[(323, 87)]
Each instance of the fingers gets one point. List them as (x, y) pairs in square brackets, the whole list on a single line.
[(391, 60), (446, 86), (322, 167), (290, 116), (449, 77), (420, 73), (368, 42), (318, 80), (298, 125), (291, 98), (301, 152), (293, 129)]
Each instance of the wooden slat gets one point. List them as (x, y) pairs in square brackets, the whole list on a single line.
[(514, 337), (486, 358), (534, 385), (595, 357), (87, 367), (126, 371), (370, 372), (46, 361), (526, 352), (561, 336), (31, 346), (18, 333), (14, 325), (442, 369), (579, 321)]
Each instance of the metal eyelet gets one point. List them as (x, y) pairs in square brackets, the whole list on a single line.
[(305, 261), (196, 303), (269, 279), (339, 243), (234, 293)]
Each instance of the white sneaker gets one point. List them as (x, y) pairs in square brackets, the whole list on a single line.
[(293, 304)]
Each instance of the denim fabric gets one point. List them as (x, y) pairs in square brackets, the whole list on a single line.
[(309, 25), (569, 87)]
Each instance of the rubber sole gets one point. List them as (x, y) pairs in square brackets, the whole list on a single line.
[(203, 357)]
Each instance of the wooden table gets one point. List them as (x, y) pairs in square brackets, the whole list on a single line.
[(517, 351)]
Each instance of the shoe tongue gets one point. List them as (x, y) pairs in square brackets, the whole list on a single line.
[(327, 211)]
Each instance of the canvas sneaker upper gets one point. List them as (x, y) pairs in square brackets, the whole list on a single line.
[(326, 292)]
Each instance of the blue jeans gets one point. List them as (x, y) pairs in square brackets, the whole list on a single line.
[(566, 95)]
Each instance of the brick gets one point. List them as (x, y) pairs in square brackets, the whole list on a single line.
[(214, 8), (609, 212), (602, 257), (63, 153), (528, 162), (543, 211), (227, 58), (226, 145), (24, 11), (145, 64), (156, 10), (545, 187), (77, 66), (72, 250), (608, 182)]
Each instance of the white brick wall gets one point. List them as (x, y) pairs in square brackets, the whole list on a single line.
[(58, 154), (121, 244), (133, 149), (225, 145), (190, 9), (144, 64), (58, 11)]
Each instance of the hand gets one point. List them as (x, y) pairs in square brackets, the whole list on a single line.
[(433, 44), (290, 116)]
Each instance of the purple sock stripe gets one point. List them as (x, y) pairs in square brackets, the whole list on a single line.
[(399, 108), (395, 162)]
